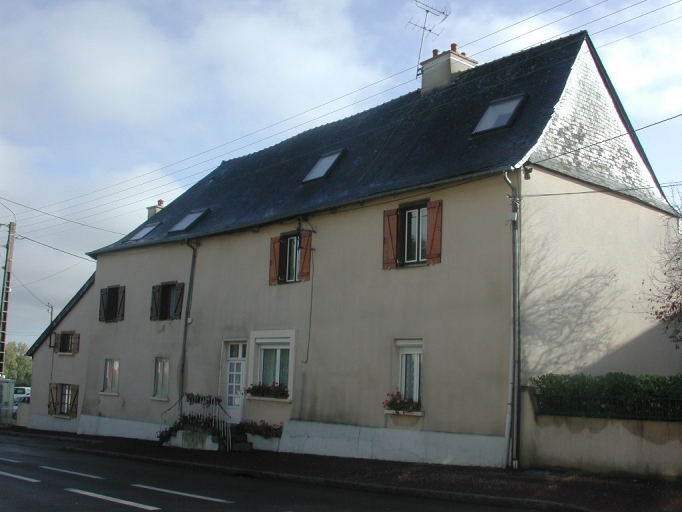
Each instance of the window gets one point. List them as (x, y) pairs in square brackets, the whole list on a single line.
[(188, 221), (112, 303), (143, 232), (166, 301), (110, 376), (272, 358), (323, 166), (290, 255), (410, 368), (235, 372), (413, 235), (161, 377), (63, 400), (500, 113), (67, 342)]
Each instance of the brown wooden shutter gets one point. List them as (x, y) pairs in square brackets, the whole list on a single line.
[(306, 254), (53, 399), (156, 302), (275, 243), (390, 239), (73, 406), (56, 340), (75, 342), (435, 227), (103, 293), (176, 307), (121, 303)]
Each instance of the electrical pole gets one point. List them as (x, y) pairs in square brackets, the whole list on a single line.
[(4, 295)]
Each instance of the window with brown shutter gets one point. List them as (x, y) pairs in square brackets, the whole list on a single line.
[(167, 301), (63, 400), (290, 257), (67, 342), (112, 304), (413, 235)]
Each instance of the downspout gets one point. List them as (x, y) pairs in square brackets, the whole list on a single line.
[(188, 320), (512, 433)]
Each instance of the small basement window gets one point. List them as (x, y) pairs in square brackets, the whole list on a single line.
[(500, 113), (323, 166), (143, 232), (188, 220)]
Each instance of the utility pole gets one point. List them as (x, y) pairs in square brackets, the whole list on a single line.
[(4, 295)]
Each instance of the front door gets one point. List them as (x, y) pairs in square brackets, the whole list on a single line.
[(236, 374)]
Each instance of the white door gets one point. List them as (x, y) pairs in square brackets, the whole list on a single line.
[(236, 375)]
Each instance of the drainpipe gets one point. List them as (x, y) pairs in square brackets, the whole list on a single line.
[(188, 320), (512, 431)]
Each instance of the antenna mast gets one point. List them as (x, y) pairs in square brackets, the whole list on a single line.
[(426, 29)]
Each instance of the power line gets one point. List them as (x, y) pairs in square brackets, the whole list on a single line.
[(54, 248), (274, 135)]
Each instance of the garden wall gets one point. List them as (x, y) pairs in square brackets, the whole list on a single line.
[(602, 445)]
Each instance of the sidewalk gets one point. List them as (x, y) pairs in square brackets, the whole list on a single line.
[(524, 489)]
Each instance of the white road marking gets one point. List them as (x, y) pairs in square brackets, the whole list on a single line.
[(113, 500), (33, 480), (9, 460), (181, 493), (73, 472)]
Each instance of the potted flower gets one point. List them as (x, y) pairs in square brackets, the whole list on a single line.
[(263, 435), (400, 405), (274, 390)]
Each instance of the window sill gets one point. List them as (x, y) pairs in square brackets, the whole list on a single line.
[(160, 398), (108, 393), (401, 413), (71, 354), (268, 399), (61, 417)]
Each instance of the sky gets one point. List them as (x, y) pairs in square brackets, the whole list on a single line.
[(106, 107)]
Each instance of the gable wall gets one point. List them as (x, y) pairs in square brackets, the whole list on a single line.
[(587, 256), (49, 366)]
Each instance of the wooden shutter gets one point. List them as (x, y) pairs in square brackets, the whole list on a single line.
[(435, 228), (176, 307), (156, 302), (121, 303), (390, 239), (275, 243), (53, 399), (73, 406), (56, 340), (306, 254), (103, 293), (75, 342)]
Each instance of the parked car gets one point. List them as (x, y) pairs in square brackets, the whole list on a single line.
[(20, 392)]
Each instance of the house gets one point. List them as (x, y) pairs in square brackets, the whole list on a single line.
[(496, 224)]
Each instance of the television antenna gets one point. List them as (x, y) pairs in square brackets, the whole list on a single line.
[(428, 30)]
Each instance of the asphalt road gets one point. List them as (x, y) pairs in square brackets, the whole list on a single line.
[(36, 474)]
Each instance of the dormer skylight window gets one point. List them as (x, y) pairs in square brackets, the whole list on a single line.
[(500, 113), (323, 166), (143, 232), (188, 221)]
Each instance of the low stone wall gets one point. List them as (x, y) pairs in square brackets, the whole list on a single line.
[(602, 445)]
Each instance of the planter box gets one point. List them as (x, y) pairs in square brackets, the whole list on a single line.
[(193, 441), (271, 444)]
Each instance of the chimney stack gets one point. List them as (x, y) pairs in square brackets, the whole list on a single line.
[(153, 210), (442, 69)]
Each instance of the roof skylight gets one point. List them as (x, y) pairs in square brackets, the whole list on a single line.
[(188, 220), (323, 165), (500, 113), (143, 232)]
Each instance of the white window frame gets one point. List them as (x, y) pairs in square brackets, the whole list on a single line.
[(277, 339), (161, 378), (421, 220), (111, 376), (410, 347), (292, 259)]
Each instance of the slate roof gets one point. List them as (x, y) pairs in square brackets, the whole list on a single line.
[(407, 143)]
